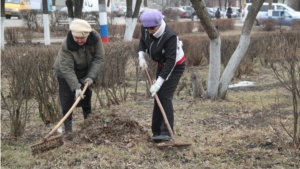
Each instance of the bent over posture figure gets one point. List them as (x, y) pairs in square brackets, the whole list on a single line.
[(164, 47), (79, 61)]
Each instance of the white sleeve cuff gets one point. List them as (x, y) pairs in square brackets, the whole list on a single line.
[(160, 81)]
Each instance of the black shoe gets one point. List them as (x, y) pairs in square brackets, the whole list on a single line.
[(165, 137), (160, 138), (86, 115)]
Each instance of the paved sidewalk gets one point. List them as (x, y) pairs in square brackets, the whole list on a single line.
[(41, 40)]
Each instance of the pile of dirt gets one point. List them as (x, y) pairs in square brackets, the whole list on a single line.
[(111, 129)]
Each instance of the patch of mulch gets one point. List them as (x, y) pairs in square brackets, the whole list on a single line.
[(111, 129)]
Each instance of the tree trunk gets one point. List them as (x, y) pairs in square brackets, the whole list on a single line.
[(131, 19), (46, 23), (215, 46), (53, 6), (78, 9), (2, 23), (241, 49), (145, 3), (69, 4), (103, 21)]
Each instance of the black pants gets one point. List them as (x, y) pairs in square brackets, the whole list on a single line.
[(67, 98), (165, 95)]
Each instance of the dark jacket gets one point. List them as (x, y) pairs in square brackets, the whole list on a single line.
[(162, 50), (229, 12), (74, 63), (217, 14)]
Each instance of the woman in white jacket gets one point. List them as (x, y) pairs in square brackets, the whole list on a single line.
[(164, 47)]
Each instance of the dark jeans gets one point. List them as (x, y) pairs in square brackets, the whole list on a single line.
[(67, 98), (165, 95)]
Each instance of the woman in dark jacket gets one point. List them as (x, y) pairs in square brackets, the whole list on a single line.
[(79, 61), (229, 12), (164, 47)]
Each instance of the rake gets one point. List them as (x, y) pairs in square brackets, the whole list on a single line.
[(55, 141), (166, 121)]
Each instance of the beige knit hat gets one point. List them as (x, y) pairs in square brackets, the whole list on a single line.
[(80, 28)]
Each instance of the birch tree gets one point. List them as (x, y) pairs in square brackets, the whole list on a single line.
[(131, 18), (46, 23), (78, 9), (2, 23), (69, 4), (217, 88)]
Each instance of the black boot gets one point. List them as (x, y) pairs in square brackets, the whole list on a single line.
[(68, 126), (86, 112)]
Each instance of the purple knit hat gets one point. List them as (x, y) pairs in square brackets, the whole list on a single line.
[(151, 17)]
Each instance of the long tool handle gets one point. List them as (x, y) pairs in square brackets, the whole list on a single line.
[(68, 113), (161, 108)]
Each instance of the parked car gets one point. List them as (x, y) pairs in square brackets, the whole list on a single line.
[(211, 12), (188, 9), (264, 9), (117, 10), (123, 11), (283, 18), (175, 12), (235, 12)]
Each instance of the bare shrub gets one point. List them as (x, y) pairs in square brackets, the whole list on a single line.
[(221, 24), (224, 24), (31, 19), (182, 27), (197, 85), (113, 72), (196, 50), (44, 82), (268, 24), (27, 35), (295, 25), (116, 31), (16, 91), (12, 35), (137, 31), (171, 15), (284, 61)]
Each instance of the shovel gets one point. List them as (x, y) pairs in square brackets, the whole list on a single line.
[(166, 120)]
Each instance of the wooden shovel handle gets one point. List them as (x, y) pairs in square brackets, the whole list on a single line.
[(161, 108), (68, 113)]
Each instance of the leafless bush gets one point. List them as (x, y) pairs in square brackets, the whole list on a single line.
[(31, 19), (224, 24), (171, 15), (16, 91), (295, 25), (12, 35), (196, 50), (137, 31), (113, 72), (45, 83), (268, 24), (116, 31), (182, 27), (27, 35), (221, 24), (284, 61)]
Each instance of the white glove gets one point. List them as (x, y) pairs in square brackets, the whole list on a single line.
[(156, 86), (142, 61), (89, 80), (78, 92)]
